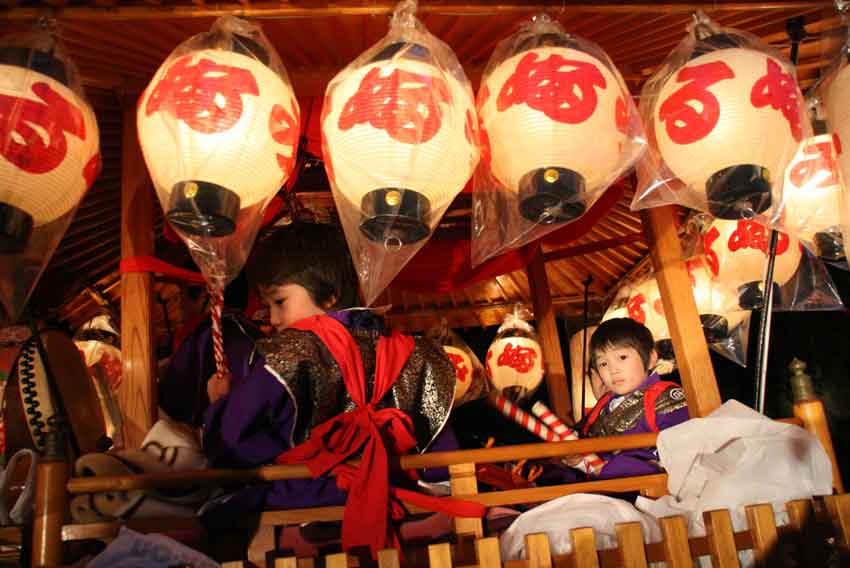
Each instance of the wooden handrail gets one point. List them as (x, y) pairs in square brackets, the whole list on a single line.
[(435, 459)]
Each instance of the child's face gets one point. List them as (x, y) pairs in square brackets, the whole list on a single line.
[(621, 368), (288, 303)]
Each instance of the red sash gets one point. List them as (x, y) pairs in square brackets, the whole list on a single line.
[(376, 432)]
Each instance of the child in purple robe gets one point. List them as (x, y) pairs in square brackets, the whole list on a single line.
[(282, 387), (638, 401)]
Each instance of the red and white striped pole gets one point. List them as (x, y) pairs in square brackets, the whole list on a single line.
[(515, 413), (591, 464)]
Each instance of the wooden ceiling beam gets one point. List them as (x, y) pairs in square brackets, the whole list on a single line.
[(385, 8)]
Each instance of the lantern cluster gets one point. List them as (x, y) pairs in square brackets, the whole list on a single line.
[(49, 157), (557, 127), (726, 117)]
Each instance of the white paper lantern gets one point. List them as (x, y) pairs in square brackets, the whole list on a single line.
[(49, 150), (557, 121), (219, 133), (727, 123), (736, 255), (464, 369), (515, 366), (398, 142), (717, 303), (813, 191)]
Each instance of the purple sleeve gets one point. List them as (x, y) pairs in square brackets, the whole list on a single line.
[(252, 424), (670, 419), (446, 441)]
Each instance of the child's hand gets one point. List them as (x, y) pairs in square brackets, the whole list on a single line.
[(218, 386), (572, 461)]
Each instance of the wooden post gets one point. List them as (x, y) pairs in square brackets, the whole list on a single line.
[(681, 311), (137, 393), (812, 414), (463, 484), (550, 342), (51, 500)]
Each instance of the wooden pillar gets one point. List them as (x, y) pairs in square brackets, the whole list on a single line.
[(51, 500), (812, 413), (137, 393), (550, 342), (680, 309)]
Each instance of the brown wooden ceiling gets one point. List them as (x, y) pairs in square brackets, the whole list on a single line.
[(118, 46)]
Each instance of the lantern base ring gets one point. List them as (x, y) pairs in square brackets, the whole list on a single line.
[(15, 229), (395, 215), (551, 195), (739, 192), (664, 348), (751, 295), (830, 244), (715, 327), (202, 208)]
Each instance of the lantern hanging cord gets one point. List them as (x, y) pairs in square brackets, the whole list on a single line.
[(404, 14)]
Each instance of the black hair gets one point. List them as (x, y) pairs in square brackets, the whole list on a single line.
[(312, 255), (622, 332)]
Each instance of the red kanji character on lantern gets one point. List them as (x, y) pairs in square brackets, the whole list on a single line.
[(404, 104), (518, 357), (635, 308), (567, 96), (691, 113), (779, 90), (207, 96)]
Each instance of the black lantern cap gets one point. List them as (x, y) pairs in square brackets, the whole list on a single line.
[(715, 327), (203, 208), (551, 195), (751, 296), (413, 51), (395, 213), (664, 348), (830, 244), (15, 229), (546, 40), (734, 191), (43, 62)]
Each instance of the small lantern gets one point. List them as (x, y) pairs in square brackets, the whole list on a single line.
[(727, 120), (557, 117), (219, 131), (717, 304), (464, 369), (736, 253), (813, 192), (397, 141), (514, 359), (49, 152), (645, 306)]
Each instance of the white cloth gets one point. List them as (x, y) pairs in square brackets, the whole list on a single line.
[(736, 457), (557, 517)]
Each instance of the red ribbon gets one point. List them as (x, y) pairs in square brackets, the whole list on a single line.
[(375, 431)]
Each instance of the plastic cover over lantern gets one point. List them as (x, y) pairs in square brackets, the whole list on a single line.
[(724, 114), (514, 359), (736, 254), (834, 92), (557, 127), (49, 157), (399, 141), (219, 129)]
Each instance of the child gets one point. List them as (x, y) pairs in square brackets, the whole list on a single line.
[(298, 387), (637, 401)]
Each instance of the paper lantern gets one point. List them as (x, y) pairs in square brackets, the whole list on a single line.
[(464, 369), (736, 254), (557, 121), (727, 123), (645, 306), (717, 303), (398, 141), (515, 366), (813, 192), (49, 145), (219, 132)]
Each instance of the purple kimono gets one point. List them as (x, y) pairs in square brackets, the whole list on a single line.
[(626, 415), (256, 421)]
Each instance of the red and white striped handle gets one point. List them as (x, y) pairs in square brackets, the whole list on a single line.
[(591, 464), (524, 419)]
